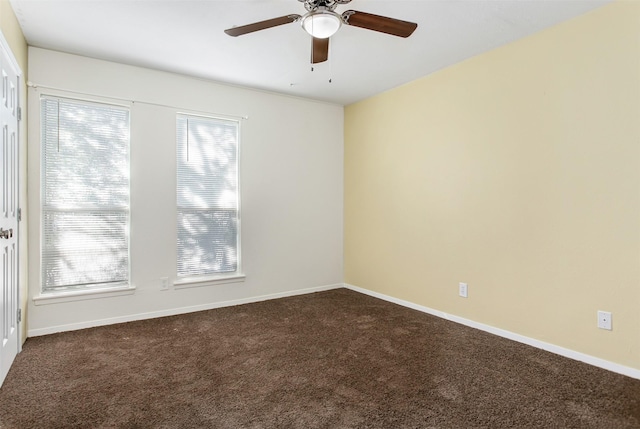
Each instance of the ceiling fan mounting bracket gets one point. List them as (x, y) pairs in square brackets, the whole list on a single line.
[(312, 5)]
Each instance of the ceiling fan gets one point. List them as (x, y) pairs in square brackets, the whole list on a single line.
[(321, 22)]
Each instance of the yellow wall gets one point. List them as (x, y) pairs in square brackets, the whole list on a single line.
[(517, 171), (13, 35)]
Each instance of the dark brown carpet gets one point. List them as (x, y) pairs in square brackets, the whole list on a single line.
[(335, 359)]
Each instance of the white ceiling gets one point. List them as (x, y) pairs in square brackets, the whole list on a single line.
[(186, 36)]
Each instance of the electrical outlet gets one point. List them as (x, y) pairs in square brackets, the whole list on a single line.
[(463, 289), (164, 283), (604, 320)]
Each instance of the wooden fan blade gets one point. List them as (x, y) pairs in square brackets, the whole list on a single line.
[(262, 25), (319, 50), (379, 23)]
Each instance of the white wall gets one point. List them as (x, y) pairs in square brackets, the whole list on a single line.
[(291, 172)]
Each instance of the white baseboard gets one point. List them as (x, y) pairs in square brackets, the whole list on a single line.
[(175, 311), (572, 354)]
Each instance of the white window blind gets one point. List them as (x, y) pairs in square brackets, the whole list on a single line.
[(207, 196), (85, 194)]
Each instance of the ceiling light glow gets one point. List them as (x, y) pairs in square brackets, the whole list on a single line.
[(321, 24)]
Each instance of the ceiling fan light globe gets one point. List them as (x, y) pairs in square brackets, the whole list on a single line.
[(321, 24)]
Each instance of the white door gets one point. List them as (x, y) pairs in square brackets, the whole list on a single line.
[(9, 325)]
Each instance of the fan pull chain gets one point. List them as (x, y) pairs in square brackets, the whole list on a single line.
[(330, 73)]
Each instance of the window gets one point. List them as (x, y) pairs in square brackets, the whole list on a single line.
[(207, 196), (85, 194)]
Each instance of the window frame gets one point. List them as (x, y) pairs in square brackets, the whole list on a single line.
[(237, 276), (82, 291)]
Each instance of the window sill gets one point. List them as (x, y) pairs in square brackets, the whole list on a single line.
[(81, 295), (189, 282)]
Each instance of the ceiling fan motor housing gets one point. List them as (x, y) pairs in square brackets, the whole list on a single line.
[(312, 5)]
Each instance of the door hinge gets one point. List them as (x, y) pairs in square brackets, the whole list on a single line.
[(19, 113), (19, 315), (19, 215)]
